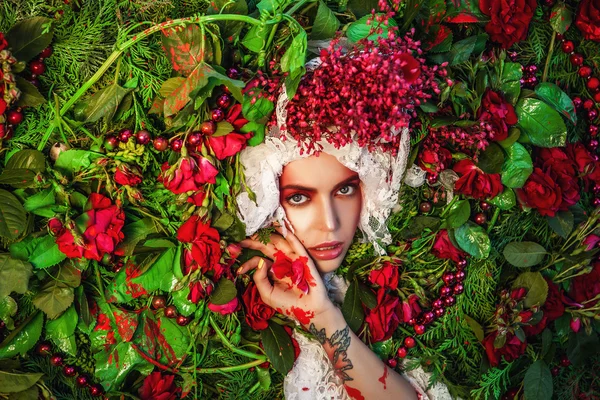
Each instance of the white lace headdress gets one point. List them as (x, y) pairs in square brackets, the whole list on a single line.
[(380, 175)]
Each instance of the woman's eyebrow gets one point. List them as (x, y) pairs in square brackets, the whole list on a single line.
[(309, 189), (345, 182)]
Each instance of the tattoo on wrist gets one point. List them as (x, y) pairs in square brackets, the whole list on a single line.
[(336, 348)]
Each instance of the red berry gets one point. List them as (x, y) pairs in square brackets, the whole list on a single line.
[(47, 52), (485, 206), (448, 278), (437, 303), (183, 321), (69, 371), (159, 302), (402, 352), (57, 360), (576, 59), (111, 142), (176, 145), (425, 207), (96, 390), (410, 342), (160, 143), (577, 102), (420, 329), (593, 83), (171, 312), (208, 127), (125, 134), (143, 137), (585, 71), (392, 362), (564, 361), (568, 46), (593, 130), (233, 73), (224, 101), (43, 349), (14, 117), (432, 178), (217, 115), (597, 97), (458, 288), (480, 218), (82, 381), (445, 291), (592, 114), (35, 82), (411, 321), (194, 139), (555, 371), (37, 67), (439, 312), (462, 263), (449, 301), (428, 317), (588, 104)]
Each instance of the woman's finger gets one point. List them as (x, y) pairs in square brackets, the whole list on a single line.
[(249, 265), (295, 243), (265, 289), (277, 243)]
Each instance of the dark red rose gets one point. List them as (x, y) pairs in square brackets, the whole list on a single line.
[(126, 175), (3, 43), (590, 241), (189, 174), (518, 293), (204, 240), (498, 113), (197, 198), (554, 306), (434, 161), (233, 142), (101, 225), (157, 386), (297, 270), (257, 312), (225, 309), (3, 106), (513, 348), (410, 309), (588, 19), (534, 330), (509, 19), (581, 157), (475, 183), (443, 247), (586, 287), (541, 192), (386, 276), (55, 226), (199, 290), (560, 167), (294, 341), (383, 319)]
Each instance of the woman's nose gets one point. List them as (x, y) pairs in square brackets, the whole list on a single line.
[(329, 216)]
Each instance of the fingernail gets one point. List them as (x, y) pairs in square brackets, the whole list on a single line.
[(239, 270), (261, 263)]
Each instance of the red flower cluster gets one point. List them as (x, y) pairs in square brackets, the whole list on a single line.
[(384, 318), (365, 94), (3, 42), (586, 287), (435, 158), (257, 312), (588, 19), (199, 290), (234, 142), (443, 247), (497, 115), (157, 386), (205, 248), (126, 175), (475, 183), (512, 349), (298, 271), (386, 276), (553, 309), (509, 19), (101, 225), (189, 174)]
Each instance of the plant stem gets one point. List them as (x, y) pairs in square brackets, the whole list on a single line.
[(230, 369), (549, 57), (493, 220), (223, 338)]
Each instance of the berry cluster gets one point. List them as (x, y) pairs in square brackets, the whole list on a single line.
[(160, 302)]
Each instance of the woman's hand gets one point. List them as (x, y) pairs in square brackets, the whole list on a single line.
[(284, 295)]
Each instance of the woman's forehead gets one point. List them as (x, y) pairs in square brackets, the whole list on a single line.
[(315, 171)]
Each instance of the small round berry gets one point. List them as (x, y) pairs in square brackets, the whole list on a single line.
[(411, 321), (568, 46), (402, 352), (392, 363), (176, 145), (592, 114), (462, 263), (577, 102), (233, 73), (125, 135), (432, 179), (37, 67), (420, 329), (428, 317), (597, 97), (460, 276), (564, 361), (194, 139), (160, 143), (142, 137), (224, 101), (593, 130), (82, 381), (585, 71), (217, 115), (14, 117), (47, 52), (410, 342), (593, 144), (57, 360), (159, 302), (437, 303), (448, 278), (208, 127), (555, 371), (593, 83), (576, 59), (171, 312), (69, 371), (43, 349), (588, 104), (35, 82), (449, 301), (439, 312), (182, 320), (425, 207), (445, 291), (458, 288), (111, 142), (96, 390), (480, 218)]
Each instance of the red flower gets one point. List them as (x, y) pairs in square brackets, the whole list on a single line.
[(541, 192), (190, 174), (590, 241), (383, 319), (588, 19), (257, 312), (443, 247), (497, 113), (102, 221), (3, 106), (410, 309), (225, 309), (563, 171), (386, 276), (509, 19), (475, 183), (586, 287), (199, 290), (298, 271), (157, 386), (126, 175), (197, 198), (554, 306), (204, 240), (581, 157), (3, 43), (234, 142), (513, 348), (434, 161), (55, 226)]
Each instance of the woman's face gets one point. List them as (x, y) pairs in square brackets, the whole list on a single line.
[(322, 199)]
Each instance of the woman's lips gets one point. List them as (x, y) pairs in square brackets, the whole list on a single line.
[(327, 251)]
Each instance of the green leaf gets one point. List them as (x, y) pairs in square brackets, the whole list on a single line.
[(264, 377), (462, 50), (259, 111), (159, 243), (112, 366), (180, 300), (537, 288), (229, 30), (475, 327), (179, 97), (559, 100), (352, 307), (513, 135), (27, 159), (256, 37), (473, 239), (134, 232), (505, 200), (12, 216), (104, 103), (366, 296), (223, 128), (361, 8), (224, 292), (542, 124), (582, 346), (17, 178), (30, 95), (458, 214), (326, 23), (492, 159), (8, 308), (510, 81), (13, 383), (183, 48), (72, 161), (39, 200), (278, 347), (538, 381), (14, 275), (359, 29), (29, 37), (175, 339), (562, 223), (160, 274), (418, 225), (170, 85), (46, 253), (546, 341), (61, 331), (54, 298), (561, 17), (517, 167), (295, 55), (22, 339), (524, 254), (259, 132)]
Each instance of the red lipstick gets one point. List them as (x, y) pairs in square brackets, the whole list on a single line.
[(327, 250)]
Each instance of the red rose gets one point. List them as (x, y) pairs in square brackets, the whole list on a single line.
[(541, 192), (586, 287), (225, 309), (55, 226), (513, 348), (554, 306), (197, 198), (434, 161), (534, 330), (257, 312), (410, 308), (588, 19), (590, 241), (563, 171), (383, 319), (443, 247), (126, 175), (386, 276), (101, 224), (475, 183), (3, 106), (497, 113), (189, 174), (509, 19), (298, 271), (3, 43), (581, 157), (157, 386), (234, 142), (199, 290), (204, 240)]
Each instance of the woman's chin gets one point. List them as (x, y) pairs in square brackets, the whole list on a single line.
[(326, 266)]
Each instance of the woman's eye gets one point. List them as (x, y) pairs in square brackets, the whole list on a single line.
[(347, 190), (297, 199)]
